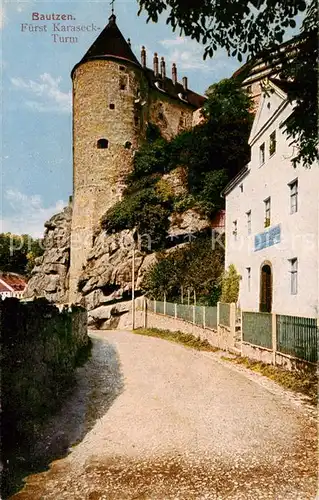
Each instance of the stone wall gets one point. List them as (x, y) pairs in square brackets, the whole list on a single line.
[(171, 116), (222, 338), (40, 349)]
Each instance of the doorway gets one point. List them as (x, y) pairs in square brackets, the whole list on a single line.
[(265, 303)]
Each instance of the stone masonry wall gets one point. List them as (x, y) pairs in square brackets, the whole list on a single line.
[(171, 116), (40, 349)]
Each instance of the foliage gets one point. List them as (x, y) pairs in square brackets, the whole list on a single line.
[(209, 154), (230, 285), (145, 210), (186, 339), (302, 125), (195, 266), (239, 27), (257, 27), (18, 252)]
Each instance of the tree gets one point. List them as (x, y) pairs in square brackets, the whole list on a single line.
[(230, 285), (196, 266), (18, 253), (257, 27)]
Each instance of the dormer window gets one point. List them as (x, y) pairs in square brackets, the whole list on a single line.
[(102, 144)]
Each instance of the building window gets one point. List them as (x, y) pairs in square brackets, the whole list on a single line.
[(123, 82), (235, 230), (272, 143), (293, 276), (112, 106), (122, 68), (293, 196), (128, 145), (102, 144), (249, 278), (267, 212), (262, 154), (249, 89), (248, 222)]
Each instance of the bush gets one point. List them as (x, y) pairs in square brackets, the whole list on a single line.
[(230, 285), (195, 266)]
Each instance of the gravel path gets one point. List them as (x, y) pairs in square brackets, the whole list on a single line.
[(185, 426)]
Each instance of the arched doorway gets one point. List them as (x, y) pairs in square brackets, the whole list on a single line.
[(265, 302)]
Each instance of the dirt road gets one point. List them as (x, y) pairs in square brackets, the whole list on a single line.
[(184, 426)]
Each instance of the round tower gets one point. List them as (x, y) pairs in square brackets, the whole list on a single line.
[(109, 90)]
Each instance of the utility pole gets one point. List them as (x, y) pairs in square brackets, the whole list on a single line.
[(133, 286)]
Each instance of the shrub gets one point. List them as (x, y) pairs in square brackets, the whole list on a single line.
[(230, 285), (195, 266)]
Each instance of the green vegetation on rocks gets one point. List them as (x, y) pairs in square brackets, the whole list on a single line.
[(195, 266)]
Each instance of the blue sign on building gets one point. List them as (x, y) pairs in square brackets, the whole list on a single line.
[(268, 238)]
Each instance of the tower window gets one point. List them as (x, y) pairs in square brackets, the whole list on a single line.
[(112, 106), (122, 68), (123, 82), (102, 144), (128, 145)]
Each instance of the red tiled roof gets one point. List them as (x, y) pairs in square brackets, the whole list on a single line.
[(4, 288), (14, 281)]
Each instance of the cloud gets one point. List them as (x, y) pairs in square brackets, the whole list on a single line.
[(47, 93), (27, 213), (188, 54)]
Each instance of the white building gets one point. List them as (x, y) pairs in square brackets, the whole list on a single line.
[(272, 219)]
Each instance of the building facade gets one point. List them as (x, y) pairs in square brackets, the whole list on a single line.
[(115, 97), (272, 221)]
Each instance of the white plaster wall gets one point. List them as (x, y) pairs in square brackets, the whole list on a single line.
[(299, 231)]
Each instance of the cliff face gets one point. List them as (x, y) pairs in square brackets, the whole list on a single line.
[(49, 277), (105, 283)]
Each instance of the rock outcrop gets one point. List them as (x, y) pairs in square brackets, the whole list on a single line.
[(49, 277), (105, 285)]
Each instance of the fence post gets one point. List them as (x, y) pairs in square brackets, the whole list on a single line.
[(194, 314), (274, 336), (164, 311), (145, 312), (204, 316), (155, 306), (218, 317), (241, 332), (175, 311), (232, 321)]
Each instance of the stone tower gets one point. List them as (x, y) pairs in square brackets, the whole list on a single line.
[(114, 97)]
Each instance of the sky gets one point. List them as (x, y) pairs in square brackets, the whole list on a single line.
[(36, 127)]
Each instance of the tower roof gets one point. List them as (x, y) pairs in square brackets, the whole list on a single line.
[(110, 43)]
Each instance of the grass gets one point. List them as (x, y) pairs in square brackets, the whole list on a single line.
[(303, 382), (185, 339)]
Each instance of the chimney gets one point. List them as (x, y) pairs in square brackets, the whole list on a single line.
[(143, 57), (163, 68), (185, 82), (155, 64), (129, 42), (174, 74)]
